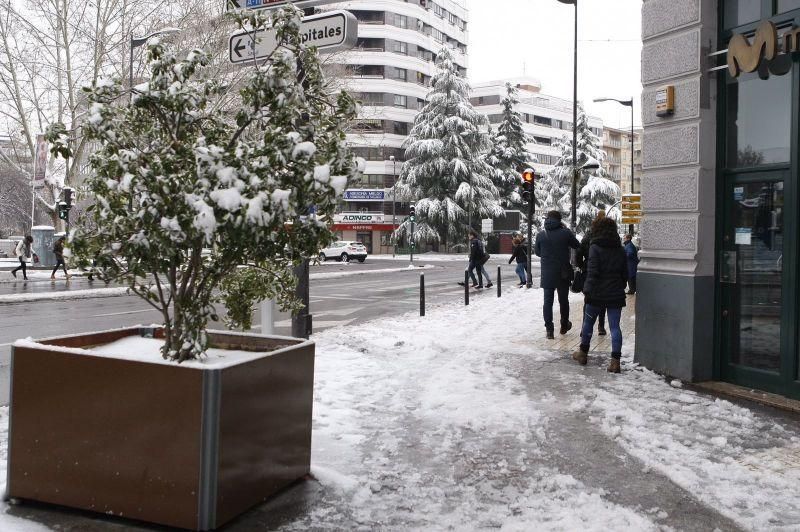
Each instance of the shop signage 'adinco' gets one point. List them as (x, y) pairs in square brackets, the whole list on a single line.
[(768, 53), (358, 218)]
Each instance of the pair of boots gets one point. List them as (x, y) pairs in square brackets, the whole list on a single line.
[(565, 327), (582, 357)]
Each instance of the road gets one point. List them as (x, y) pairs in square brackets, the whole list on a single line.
[(363, 292)]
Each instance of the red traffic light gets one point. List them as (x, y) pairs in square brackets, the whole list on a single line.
[(528, 176)]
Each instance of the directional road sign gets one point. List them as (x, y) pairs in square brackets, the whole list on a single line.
[(631, 208), (272, 4), (329, 32)]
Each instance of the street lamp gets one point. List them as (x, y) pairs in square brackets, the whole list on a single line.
[(573, 216), (137, 42), (394, 202), (627, 103)]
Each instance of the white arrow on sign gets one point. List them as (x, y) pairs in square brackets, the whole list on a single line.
[(328, 32), (272, 4)]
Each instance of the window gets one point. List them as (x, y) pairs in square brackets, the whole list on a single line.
[(400, 48), (546, 141), (401, 21), (400, 101), (400, 74), (400, 128), (542, 121), (788, 5), (495, 119), (759, 128), (738, 12), (557, 124), (367, 125)]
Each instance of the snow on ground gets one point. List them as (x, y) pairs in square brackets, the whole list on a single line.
[(336, 275), (64, 294), (447, 436), (458, 420)]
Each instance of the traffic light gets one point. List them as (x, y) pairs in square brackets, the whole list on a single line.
[(528, 180), (63, 211), (411, 212), (68, 197)]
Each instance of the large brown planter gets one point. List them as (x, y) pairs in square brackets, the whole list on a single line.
[(180, 446)]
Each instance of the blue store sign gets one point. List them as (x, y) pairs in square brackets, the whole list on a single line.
[(359, 194)]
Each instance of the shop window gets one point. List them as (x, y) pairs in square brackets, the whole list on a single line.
[(738, 12), (758, 126), (788, 5)]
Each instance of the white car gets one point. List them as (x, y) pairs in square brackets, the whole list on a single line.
[(344, 251)]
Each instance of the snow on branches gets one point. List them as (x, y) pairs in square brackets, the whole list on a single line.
[(445, 172), (186, 194)]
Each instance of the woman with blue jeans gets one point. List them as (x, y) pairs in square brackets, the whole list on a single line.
[(519, 253), (604, 289)]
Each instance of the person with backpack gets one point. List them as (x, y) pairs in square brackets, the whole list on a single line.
[(604, 289), (477, 258), (632, 254), (24, 252), (581, 258), (58, 251), (552, 247), (520, 253)]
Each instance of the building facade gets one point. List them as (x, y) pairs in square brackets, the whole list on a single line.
[(547, 119), (390, 72), (718, 282), (617, 164)]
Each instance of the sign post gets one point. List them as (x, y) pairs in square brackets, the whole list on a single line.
[(631, 210), (328, 32)]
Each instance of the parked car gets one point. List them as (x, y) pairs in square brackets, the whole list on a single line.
[(344, 251)]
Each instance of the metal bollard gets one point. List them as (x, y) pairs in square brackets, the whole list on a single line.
[(466, 287), (421, 294), (499, 281)]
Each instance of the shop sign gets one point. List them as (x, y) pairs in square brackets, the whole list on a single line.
[(358, 218), (364, 194), (363, 227), (768, 53)]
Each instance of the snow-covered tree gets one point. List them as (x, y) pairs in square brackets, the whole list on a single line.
[(175, 176), (445, 173), (509, 155), (595, 191)]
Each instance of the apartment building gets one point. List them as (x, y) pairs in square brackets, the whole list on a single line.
[(389, 72), (617, 145), (547, 119)]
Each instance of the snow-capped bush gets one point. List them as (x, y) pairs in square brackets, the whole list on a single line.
[(185, 193)]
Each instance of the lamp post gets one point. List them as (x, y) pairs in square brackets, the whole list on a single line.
[(394, 202), (137, 42), (573, 214), (627, 103)]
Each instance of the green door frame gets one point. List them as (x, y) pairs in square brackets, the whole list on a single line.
[(788, 383)]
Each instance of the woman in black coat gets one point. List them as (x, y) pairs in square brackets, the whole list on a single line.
[(606, 277)]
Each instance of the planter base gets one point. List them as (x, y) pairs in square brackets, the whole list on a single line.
[(178, 445)]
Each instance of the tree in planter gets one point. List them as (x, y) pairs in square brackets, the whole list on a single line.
[(509, 155), (445, 173), (595, 191), (185, 194)]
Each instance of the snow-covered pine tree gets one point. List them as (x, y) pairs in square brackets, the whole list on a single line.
[(186, 194), (509, 155), (445, 173), (595, 191)]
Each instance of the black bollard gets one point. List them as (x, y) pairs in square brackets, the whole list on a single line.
[(421, 294), (466, 287), (499, 282)]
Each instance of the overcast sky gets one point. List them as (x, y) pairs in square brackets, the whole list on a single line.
[(507, 36)]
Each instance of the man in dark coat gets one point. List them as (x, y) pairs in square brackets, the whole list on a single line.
[(552, 246), (604, 288), (632, 254)]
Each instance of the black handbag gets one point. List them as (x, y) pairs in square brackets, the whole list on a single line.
[(485, 258), (577, 282)]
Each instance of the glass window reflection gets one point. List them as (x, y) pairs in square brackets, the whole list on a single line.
[(738, 12), (788, 5), (759, 120)]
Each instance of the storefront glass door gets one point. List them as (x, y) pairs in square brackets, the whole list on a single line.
[(752, 277)]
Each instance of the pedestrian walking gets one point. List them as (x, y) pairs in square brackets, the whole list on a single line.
[(477, 258), (604, 288), (58, 251), (519, 252), (24, 252), (632, 254), (552, 247), (581, 258)]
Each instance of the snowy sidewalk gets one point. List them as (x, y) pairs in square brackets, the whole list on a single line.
[(468, 419)]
